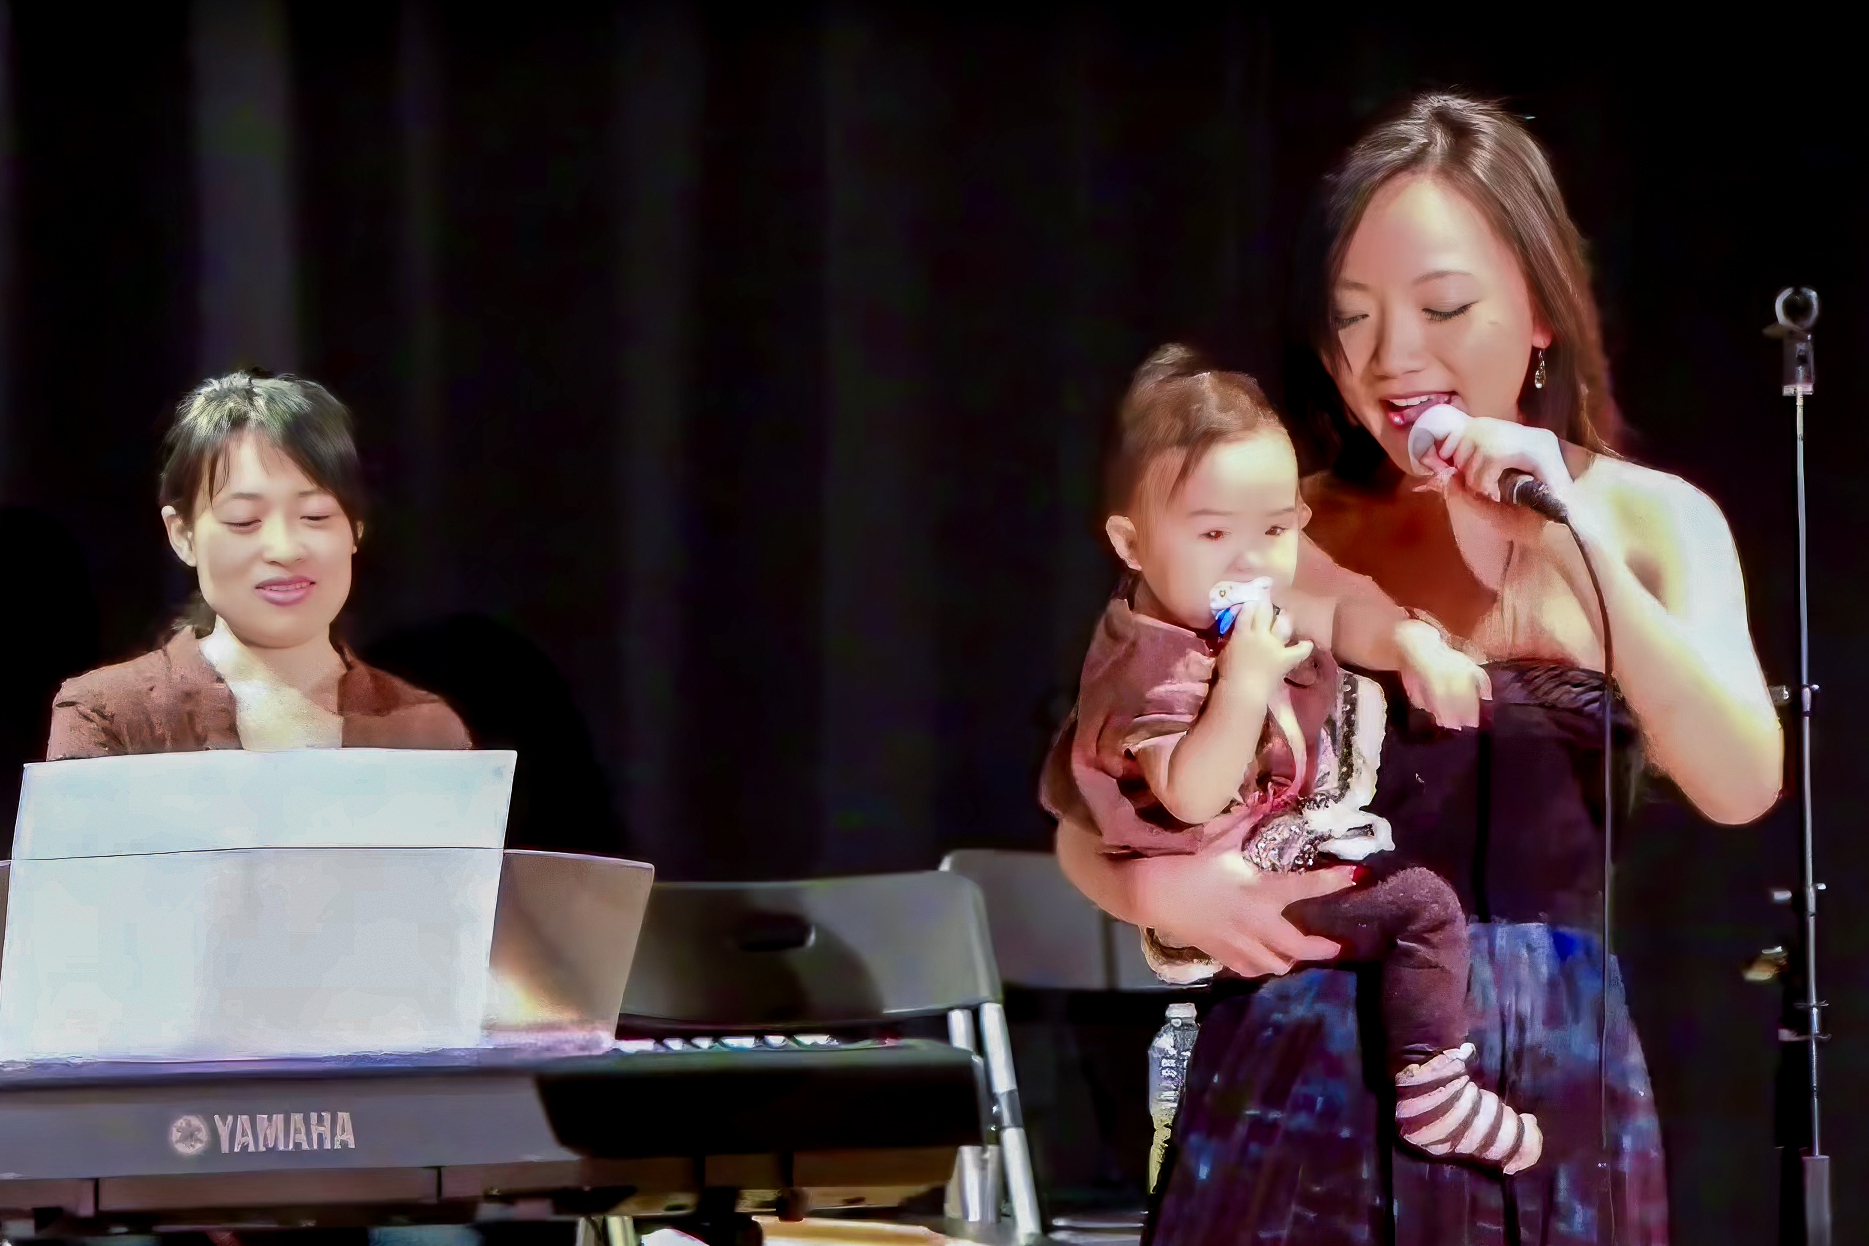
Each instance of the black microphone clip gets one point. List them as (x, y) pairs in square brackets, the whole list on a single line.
[(1796, 312), (1522, 489)]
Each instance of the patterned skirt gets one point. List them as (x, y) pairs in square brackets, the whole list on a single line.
[(1285, 1133)]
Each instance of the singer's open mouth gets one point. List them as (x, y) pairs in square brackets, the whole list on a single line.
[(1404, 409)]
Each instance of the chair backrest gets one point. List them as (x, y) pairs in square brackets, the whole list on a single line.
[(1046, 934), (817, 953)]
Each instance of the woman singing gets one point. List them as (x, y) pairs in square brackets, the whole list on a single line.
[(1444, 267), (261, 494)]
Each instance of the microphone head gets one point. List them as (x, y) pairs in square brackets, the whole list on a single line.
[(1429, 429)]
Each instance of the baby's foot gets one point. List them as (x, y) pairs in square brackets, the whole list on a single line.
[(1441, 1111)]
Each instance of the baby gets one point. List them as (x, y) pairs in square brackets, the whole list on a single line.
[(1187, 733)]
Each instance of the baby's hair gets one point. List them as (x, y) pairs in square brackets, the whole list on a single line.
[(1179, 402)]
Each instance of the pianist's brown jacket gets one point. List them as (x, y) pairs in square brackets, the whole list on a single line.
[(173, 701)]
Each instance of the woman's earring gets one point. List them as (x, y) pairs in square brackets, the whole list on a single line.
[(1538, 376)]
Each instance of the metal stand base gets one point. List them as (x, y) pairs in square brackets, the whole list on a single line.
[(1816, 1169)]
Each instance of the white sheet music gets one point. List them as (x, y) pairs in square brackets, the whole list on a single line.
[(230, 798), (232, 904)]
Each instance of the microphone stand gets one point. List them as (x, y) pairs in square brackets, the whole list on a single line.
[(1796, 312)]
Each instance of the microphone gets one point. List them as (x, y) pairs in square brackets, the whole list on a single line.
[(1517, 488)]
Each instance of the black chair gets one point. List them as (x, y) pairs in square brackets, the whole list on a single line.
[(1046, 934), (1048, 939), (838, 954)]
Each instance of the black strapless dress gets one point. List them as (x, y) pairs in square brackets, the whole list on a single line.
[(1285, 1133)]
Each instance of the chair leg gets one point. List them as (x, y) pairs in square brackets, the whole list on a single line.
[(1021, 1185), (972, 1195), (620, 1231)]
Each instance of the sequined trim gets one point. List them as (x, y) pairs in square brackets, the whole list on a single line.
[(1183, 966), (1333, 818)]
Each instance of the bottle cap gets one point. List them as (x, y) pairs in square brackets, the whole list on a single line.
[(1182, 1012)]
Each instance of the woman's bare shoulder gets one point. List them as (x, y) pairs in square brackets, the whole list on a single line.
[(1649, 502), (1675, 534)]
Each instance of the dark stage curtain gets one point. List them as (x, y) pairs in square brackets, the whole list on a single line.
[(732, 383)]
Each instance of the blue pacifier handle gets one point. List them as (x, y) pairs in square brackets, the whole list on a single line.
[(1229, 597)]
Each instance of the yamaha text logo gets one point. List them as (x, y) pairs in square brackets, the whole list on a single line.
[(279, 1131)]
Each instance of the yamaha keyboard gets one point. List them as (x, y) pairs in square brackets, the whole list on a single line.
[(654, 1129)]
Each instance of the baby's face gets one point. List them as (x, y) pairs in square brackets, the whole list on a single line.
[(1236, 517)]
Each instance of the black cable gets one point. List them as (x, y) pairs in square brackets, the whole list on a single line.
[(1522, 489), (1609, 866)]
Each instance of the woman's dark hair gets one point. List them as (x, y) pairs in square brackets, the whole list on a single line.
[(302, 418), (1179, 403), (1487, 155)]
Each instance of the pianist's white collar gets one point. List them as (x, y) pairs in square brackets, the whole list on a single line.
[(271, 712)]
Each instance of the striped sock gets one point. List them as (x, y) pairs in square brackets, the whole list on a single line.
[(1439, 1110)]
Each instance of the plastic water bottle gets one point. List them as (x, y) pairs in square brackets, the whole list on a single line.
[(1168, 1073)]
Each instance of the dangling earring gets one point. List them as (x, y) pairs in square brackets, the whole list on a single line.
[(1538, 376)]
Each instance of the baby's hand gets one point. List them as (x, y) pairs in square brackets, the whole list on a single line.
[(1258, 652), (1440, 679)]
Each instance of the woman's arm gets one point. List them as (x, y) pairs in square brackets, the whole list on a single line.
[(1108, 882), (1350, 615), (1683, 649), (1676, 603), (1319, 575), (1214, 901)]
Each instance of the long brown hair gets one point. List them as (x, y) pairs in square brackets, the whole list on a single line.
[(1489, 156)]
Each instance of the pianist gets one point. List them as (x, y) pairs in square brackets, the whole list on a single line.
[(261, 494)]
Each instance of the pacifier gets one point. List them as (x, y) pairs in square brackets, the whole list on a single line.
[(1229, 597)]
